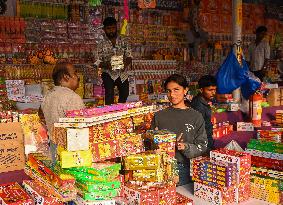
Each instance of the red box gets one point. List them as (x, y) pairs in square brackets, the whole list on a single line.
[(183, 200), (39, 194), (225, 23), (103, 150), (13, 194), (225, 6)]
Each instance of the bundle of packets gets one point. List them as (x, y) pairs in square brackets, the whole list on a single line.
[(267, 189), (14, 194), (43, 172), (121, 145), (162, 140), (73, 146), (101, 110), (150, 167), (270, 135), (39, 194), (241, 190), (214, 173), (99, 182), (145, 194)]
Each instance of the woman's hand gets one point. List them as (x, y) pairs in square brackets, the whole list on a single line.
[(180, 143)]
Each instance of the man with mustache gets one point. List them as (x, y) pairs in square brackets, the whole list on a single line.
[(114, 71)]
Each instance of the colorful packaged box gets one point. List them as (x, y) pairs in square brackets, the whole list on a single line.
[(39, 194), (101, 169), (265, 189), (148, 175), (105, 149), (243, 168), (74, 159), (183, 200), (71, 139), (155, 194), (144, 196), (82, 176), (67, 193), (99, 195), (142, 161), (131, 144), (15, 88), (245, 126), (214, 173), (80, 201), (98, 185), (13, 194), (38, 162), (213, 195)]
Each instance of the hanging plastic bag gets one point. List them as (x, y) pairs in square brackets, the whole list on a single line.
[(251, 84), (233, 145), (230, 75)]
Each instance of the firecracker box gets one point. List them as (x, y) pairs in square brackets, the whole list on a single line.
[(39, 194), (148, 175), (101, 169), (64, 194), (82, 176), (80, 201), (213, 195), (243, 167), (71, 139), (245, 126), (14, 194), (264, 172), (98, 186), (270, 135), (162, 140), (105, 149), (214, 173), (266, 189), (150, 195), (131, 144), (99, 195), (42, 165), (143, 161), (183, 200), (70, 159)]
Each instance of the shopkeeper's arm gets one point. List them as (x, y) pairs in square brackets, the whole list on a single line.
[(200, 141)]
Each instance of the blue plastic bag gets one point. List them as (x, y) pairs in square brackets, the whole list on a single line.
[(251, 84), (230, 75)]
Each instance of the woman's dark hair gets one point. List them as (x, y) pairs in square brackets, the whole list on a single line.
[(109, 21), (206, 81), (59, 71), (179, 79)]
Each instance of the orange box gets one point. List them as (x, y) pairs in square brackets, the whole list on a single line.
[(215, 23)]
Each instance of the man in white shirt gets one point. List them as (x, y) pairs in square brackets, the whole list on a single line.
[(61, 98), (259, 53)]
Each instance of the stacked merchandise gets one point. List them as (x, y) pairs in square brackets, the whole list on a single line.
[(45, 175), (223, 178), (150, 176), (267, 170), (13, 193)]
